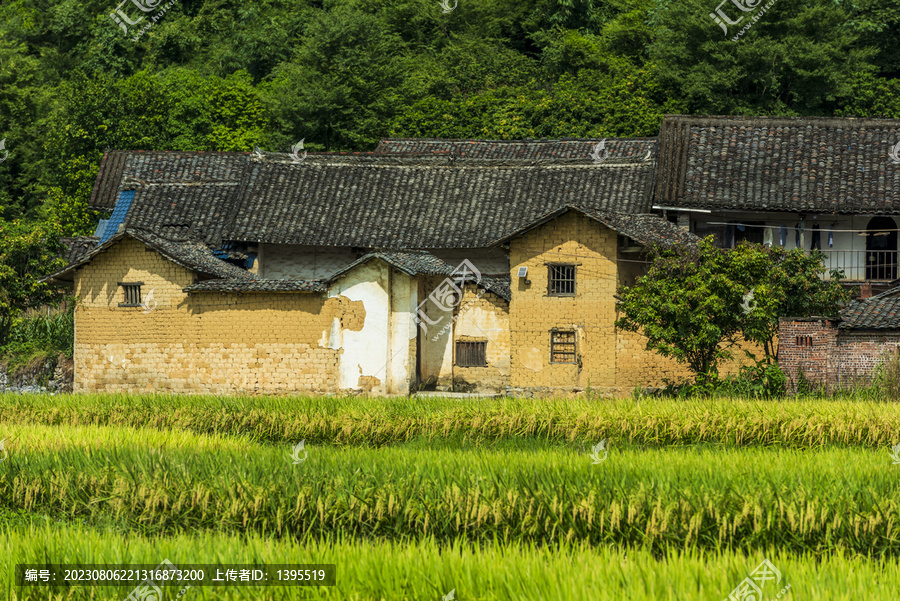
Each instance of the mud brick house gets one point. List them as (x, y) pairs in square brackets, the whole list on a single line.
[(384, 272), (841, 352), (449, 264)]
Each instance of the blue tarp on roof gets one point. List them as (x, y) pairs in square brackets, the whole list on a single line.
[(101, 227), (118, 215)]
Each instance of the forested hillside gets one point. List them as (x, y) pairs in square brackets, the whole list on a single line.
[(227, 74)]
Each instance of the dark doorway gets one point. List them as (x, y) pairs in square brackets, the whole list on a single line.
[(881, 249)]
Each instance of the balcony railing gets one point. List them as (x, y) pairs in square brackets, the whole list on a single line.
[(864, 265)]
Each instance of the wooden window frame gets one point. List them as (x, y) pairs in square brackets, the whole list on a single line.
[(130, 290), (804, 341), (551, 279), (479, 349), (554, 333)]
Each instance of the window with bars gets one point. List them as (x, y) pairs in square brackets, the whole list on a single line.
[(561, 280), (562, 346), (804, 341), (132, 294), (471, 353)]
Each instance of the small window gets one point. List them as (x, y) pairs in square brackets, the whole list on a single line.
[(561, 280), (132, 294), (562, 346), (804, 341), (471, 353)]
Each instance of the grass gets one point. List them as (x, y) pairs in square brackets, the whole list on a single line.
[(696, 497), (426, 569), (497, 499), (807, 423)]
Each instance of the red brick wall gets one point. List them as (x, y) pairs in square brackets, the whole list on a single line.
[(861, 351), (814, 361), (837, 358)]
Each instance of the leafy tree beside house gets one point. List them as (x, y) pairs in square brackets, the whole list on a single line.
[(27, 253), (695, 305)]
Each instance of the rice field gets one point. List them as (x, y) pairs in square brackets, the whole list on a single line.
[(494, 499)]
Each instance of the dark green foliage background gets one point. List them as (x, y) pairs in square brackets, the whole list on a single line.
[(225, 74)]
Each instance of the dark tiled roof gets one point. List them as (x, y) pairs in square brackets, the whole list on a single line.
[(190, 254), (644, 228), (78, 247), (423, 202), (106, 186), (123, 169), (243, 285), (194, 190), (875, 313), (808, 164), (498, 284), (410, 262), (564, 148), (414, 262), (648, 230)]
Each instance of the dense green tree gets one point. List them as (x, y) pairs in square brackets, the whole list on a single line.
[(338, 88), (799, 58), (621, 101), (23, 101), (872, 96), (695, 305), (783, 283), (28, 252)]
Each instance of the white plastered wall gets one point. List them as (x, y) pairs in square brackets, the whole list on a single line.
[(381, 349)]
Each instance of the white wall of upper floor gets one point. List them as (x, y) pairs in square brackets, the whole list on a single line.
[(301, 262), (848, 250)]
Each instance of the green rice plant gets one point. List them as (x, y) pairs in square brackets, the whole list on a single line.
[(803, 423), (887, 375), (695, 497), (429, 569)]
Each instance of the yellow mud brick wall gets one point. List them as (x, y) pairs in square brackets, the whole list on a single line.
[(573, 239), (207, 342), (638, 367), (483, 316)]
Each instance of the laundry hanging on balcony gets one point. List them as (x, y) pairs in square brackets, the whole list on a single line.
[(799, 235)]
